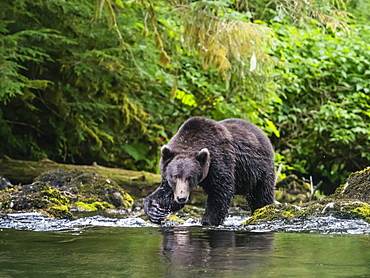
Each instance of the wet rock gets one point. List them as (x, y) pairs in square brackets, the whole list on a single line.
[(356, 187), (85, 188), (342, 209), (55, 192), (350, 201), (36, 197)]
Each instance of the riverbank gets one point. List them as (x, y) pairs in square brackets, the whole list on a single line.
[(61, 193)]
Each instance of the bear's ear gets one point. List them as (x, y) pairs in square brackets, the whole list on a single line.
[(166, 152), (203, 157)]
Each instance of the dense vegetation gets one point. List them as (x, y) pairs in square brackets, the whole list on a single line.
[(111, 81)]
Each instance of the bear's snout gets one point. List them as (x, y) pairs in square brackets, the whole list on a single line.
[(182, 191)]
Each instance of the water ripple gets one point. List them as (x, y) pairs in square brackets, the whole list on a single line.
[(319, 225)]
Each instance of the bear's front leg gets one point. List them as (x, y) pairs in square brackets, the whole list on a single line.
[(161, 203), (216, 209)]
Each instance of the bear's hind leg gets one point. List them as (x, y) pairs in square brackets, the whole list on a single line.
[(263, 193)]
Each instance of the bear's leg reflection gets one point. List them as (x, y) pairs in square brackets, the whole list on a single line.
[(195, 250)]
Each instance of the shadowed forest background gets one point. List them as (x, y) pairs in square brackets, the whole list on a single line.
[(111, 81)]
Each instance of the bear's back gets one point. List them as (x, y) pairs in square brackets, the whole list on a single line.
[(248, 136), (199, 132)]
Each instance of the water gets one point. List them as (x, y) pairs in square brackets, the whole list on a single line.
[(35, 246)]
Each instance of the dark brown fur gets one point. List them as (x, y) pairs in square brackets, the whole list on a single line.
[(239, 161)]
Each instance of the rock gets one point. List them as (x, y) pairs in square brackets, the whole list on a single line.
[(137, 183), (55, 192), (356, 187), (36, 196), (87, 188), (350, 201)]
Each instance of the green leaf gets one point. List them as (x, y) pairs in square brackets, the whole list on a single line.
[(137, 150)]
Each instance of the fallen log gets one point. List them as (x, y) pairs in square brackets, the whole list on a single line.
[(137, 183)]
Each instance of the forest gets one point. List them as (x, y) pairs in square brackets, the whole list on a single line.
[(111, 81)]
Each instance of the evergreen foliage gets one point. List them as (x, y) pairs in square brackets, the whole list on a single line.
[(69, 91), (110, 81)]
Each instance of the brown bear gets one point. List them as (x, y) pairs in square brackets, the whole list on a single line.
[(225, 158)]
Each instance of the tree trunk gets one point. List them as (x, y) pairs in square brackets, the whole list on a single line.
[(137, 183)]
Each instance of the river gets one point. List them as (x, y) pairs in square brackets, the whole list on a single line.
[(35, 246)]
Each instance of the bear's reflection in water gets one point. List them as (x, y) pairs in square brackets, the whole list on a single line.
[(196, 252)]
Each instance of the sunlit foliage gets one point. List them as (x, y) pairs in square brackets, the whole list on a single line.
[(111, 81)]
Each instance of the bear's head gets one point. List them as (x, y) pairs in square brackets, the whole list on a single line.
[(184, 171)]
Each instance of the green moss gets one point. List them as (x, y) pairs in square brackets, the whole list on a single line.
[(172, 220), (353, 209), (363, 211), (54, 191), (193, 211), (350, 201), (356, 187), (127, 200), (50, 201), (88, 188), (8, 190), (60, 211), (85, 206), (93, 206), (272, 212), (344, 209)]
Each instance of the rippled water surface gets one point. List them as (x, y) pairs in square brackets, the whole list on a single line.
[(35, 246)]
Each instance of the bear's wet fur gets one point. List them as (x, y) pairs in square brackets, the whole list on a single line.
[(225, 158)]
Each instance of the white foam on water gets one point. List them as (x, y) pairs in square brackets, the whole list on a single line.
[(320, 225)]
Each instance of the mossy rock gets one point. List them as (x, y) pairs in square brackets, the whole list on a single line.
[(356, 187), (172, 221), (93, 206), (88, 189), (36, 197), (271, 213), (344, 209), (350, 201), (55, 192)]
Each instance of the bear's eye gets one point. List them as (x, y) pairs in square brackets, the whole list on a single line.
[(190, 180), (174, 177)]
